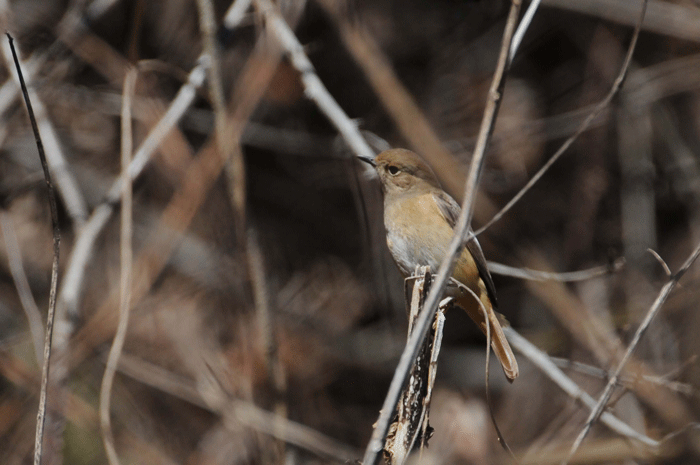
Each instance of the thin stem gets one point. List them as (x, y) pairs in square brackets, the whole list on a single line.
[(126, 271)]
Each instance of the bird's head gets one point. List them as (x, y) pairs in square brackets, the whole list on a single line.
[(401, 170)]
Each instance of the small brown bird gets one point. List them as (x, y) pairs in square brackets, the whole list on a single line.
[(419, 218)]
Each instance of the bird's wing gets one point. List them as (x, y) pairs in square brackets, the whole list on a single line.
[(450, 211), (448, 207)]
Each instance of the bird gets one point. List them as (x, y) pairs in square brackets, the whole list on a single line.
[(419, 218)]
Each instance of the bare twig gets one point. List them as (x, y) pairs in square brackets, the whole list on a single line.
[(207, 26), (661, 261), (522, 28), (461, 228), (125, 277), (603, 343), (545, 363), (582, 128), (41, 415), (653, 311), (14, 257), (571, 276)]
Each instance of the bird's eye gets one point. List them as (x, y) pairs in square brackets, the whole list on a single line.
[(393, 170)]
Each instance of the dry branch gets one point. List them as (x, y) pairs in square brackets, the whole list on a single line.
[(413, 408), (125, 270), (41, 415), (605, 346)]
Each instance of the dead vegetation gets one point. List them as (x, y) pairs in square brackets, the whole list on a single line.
[(266, 315)]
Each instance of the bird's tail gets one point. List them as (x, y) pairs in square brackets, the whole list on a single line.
[(499, 343)]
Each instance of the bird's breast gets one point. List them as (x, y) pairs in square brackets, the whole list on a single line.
[(417, 233)]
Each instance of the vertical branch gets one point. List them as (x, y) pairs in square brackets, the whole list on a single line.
[(207, 26), (41, 415), (126, 270), (412, 410)]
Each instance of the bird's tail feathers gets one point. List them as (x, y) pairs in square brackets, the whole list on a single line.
[(499, 343)]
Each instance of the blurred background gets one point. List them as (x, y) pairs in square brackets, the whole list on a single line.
[(267, 316)]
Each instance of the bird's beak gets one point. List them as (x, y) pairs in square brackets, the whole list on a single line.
[(369, 161)]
